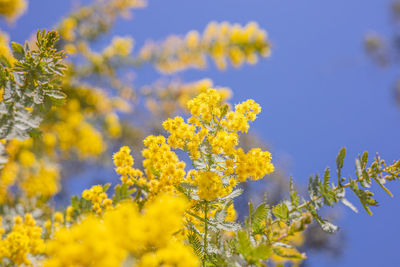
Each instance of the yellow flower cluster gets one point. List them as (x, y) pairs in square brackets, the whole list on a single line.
[(26, 158), (191, 90), (255, 164), (75, 133), (8, 176), (212, 121), (211, 138), (224, 142), (238, 120), (43, 182), (209, 185), (221, 41), (98, 197), (237, 43), (162, 166), (206, 106), (92, 20), (120, 46), (113, 125), (124, 5), (88, 243), (94, 100), (184, 135), (5, 50), (58, 218), (58, 222), (67, 29), (69, 211), (176, 254), (12, 9), (23, 240), (35, 177), (124, 162), (166, 99), (124, 232)]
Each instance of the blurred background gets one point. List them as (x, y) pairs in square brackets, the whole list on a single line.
[(329, 82)]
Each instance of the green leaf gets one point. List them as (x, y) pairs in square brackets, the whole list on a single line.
[(75, 202), (339, 162), (349, 204), (366, 180), (106, 187), (364, 196), (325, 225), (326, 186), (121, 192), (260, 213), (198, 217), (243, 244), (314, 190), (261, 252), (224, 110), (294, 196), (57, 94), (228, 226), (18, 51), (281, 211), (314, 187), (188, 186), (196, 244), (251, 208), (364, 159), (220, 214), (35, 133), (233, 194), (383, 187), (4, 61)]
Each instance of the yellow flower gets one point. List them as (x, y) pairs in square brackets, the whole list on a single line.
[(255, 164), (98, 197), (176, 254), (5, 51), (12, 9), (113, 125), (24, 239), (124, 162), (120, 46), (223, 42), (27, 158), (238, 120), (162, 166), (147, 236), (68, 213), (89, 243), (224, 142), (67, 29), (44, 182), (207, 106), (209, 185)]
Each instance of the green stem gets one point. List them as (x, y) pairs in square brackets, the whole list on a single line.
[(205, 232), (305, 204)]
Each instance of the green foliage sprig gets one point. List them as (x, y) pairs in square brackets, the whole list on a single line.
[(267, 230), (296, 214), (31, 86)]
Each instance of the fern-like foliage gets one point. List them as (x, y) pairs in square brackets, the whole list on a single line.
[(30, 86)]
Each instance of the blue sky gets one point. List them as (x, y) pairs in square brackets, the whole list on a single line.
[(319, 91)]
